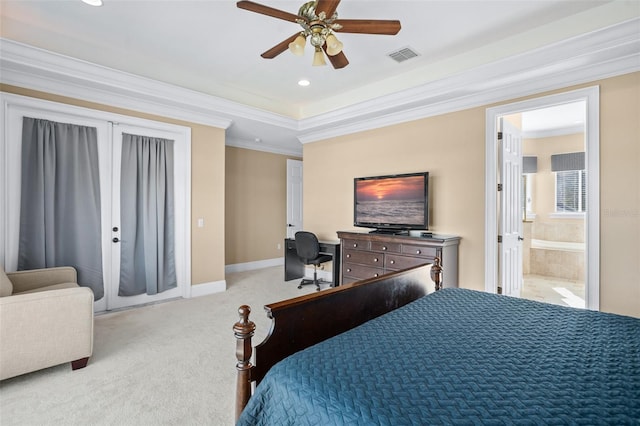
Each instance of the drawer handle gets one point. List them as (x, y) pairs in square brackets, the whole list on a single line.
[(418, 251), (375, 259), (375, 275), (392, 261), (384, 248), (348, 269), (348, 255), (355, 245)]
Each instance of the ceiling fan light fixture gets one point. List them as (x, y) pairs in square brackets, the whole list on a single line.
[(317, 38), (319, 28), (318, 58), (297, 46), (334, 46)]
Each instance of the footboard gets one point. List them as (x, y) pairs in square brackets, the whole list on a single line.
[(306, 320)]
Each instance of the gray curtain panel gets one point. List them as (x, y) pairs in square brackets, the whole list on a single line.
[(60, 200), (147, 262)]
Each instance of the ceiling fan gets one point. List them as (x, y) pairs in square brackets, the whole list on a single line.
[(319, 20)]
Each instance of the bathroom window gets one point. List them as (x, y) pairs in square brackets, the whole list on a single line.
[(571, 194)]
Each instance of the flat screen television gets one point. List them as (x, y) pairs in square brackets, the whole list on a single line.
[(392, 203)]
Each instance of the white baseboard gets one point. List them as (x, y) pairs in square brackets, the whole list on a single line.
[(205, 289), (250, 266)]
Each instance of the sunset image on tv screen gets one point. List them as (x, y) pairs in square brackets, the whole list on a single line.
[(393, 200)]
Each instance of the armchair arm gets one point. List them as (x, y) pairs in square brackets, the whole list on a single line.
[(44, 329), (36, 278)]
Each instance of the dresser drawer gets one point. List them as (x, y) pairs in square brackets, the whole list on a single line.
[(356, 244), (396, 263), (364, 257), (386, 247), (422, 251), (361, 272)]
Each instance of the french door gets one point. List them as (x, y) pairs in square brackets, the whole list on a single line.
[(110, 130), (113, 243)]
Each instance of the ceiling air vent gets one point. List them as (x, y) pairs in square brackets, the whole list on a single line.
[(403, 54)]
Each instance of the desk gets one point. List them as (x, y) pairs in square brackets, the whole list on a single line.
[(294, 268)]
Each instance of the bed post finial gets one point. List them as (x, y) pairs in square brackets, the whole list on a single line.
[(436, 273), (243, 330)]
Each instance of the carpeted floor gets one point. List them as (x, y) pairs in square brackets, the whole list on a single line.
[(165, 364)]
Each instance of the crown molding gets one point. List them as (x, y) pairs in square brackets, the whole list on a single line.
[(604, 53), (259, 146), (38, 69)]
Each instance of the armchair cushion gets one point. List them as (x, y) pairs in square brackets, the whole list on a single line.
[(36, 278)]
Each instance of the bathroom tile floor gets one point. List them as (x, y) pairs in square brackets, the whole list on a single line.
[(553, 290)]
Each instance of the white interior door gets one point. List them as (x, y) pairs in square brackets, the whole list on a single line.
[(294, 197), (510, 219)]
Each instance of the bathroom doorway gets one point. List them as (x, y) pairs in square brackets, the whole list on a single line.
[(553, 203), (557, 247)]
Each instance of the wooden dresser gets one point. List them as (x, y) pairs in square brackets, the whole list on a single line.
[(366, 255)]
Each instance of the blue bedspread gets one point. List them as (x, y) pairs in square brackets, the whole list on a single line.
[(462, 357)]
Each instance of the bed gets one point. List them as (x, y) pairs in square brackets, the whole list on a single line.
[(455, 356)]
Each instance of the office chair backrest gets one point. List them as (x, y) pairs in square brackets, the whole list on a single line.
[(307, 245)]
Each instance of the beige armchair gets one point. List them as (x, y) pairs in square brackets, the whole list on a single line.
[(46, 319)]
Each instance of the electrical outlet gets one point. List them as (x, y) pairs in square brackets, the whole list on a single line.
[(279, 246)]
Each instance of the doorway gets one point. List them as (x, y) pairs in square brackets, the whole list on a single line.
[(294, 197), (550, 237), (110, 129)]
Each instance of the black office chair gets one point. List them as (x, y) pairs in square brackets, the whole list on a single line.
[(308, 250)]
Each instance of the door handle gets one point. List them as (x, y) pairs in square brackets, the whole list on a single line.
[(520, 238), (116, 240), (289, 225)]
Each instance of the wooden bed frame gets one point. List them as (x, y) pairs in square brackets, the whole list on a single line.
[(306, 320)]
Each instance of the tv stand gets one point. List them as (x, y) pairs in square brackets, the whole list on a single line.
[(368, 255)]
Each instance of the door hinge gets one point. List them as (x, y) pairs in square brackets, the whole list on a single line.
[(499, 290), (499, 136), (499, 238), (499, 187)]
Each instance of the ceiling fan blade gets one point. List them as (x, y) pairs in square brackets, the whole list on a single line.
[(338, 61), (266, 10), (279, 48), (327, 6), (369, 26)]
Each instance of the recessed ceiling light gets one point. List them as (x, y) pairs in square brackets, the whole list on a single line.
[(93, 2), (304, 83)]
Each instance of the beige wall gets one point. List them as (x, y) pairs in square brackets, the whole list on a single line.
[(620, 195), (255, 205), (207, 185), (446, 146), (451, 147)]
